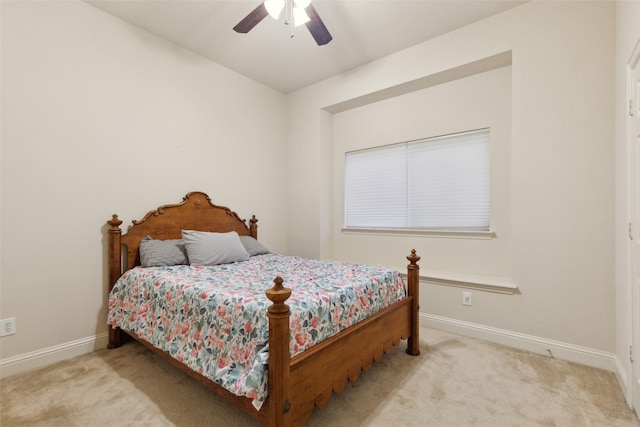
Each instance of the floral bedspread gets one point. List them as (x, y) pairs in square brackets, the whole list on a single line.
[(214, 319)]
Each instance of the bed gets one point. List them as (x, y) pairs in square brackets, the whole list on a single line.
[(298, 375)]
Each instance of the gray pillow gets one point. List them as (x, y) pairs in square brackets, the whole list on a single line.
[(252, 246), (161, 253), (207, 248)]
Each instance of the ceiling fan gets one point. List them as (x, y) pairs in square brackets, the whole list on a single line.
[(297, 12)]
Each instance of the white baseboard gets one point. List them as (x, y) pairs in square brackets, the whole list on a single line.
[(50, 355), (557, 349)]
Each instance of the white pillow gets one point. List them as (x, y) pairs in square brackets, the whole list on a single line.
[(206, 248)]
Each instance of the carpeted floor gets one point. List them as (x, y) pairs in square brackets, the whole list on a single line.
[(457, 381)]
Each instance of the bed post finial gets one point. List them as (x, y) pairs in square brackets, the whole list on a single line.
[(279, 355), (413, 259), (278, 295), (253, 227), (413, 276)]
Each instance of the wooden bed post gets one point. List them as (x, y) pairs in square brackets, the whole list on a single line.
[(253, 228), (279, 355), (413, 276), (115, 269)]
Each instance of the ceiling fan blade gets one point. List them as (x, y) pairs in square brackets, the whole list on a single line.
[(252, 19), (316, 27)]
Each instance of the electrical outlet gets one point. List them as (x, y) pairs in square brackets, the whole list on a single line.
[(466, 298), (7, 327)]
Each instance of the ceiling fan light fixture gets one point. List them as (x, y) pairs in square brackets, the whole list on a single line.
[(274, 7), (296, 13), (300, 16)]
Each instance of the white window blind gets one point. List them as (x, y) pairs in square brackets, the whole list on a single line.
[(434, 184)]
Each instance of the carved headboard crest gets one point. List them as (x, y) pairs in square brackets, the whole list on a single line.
[(195, 212)]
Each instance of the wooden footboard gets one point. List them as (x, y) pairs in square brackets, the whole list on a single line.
[(296, 385)]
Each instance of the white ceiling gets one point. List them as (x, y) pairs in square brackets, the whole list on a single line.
[(362, 30)]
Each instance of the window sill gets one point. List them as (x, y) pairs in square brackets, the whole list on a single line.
[(448, 234), (499, 285)]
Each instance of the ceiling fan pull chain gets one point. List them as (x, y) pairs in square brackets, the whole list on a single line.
[(287, 13), (290, 17)]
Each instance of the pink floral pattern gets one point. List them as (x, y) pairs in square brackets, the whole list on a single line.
[(213, 319)]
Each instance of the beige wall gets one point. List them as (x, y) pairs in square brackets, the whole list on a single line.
[(561, 167), (99, 117)]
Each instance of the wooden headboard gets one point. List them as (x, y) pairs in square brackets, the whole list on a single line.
[(195, 212)]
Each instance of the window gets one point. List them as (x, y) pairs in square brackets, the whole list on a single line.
[(439, 183)]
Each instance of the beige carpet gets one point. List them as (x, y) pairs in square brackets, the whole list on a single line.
[(456, 381)]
